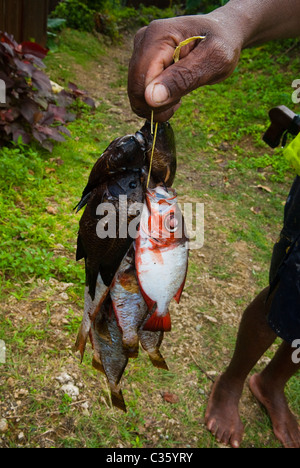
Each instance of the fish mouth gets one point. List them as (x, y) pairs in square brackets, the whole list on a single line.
[(139, 136)]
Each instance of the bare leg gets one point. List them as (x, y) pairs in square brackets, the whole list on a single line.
[(268, 388), (254, 338)]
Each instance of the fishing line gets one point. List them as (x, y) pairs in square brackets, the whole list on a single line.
[(153, 146), (176, 57), (183, 43)]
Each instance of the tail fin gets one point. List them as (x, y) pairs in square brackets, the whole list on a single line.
[(158, 323), (117, 398), (98, 365), (157, 360)]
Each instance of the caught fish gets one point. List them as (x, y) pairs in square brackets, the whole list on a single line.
[(109, 354), (161, 255), (92, 307), (104, 253), (131, 275), (100, 241), (128, 303), (122, 154), (150, 342)]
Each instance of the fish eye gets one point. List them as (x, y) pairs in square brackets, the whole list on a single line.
[(171, 223), (132, 184)]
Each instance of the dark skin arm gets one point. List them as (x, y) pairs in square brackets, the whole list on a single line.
[(156, 82)]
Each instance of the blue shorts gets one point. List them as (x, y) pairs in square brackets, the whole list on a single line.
[(284, 315)]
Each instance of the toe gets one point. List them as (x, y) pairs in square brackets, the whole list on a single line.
[(236, 439), (211, 425)]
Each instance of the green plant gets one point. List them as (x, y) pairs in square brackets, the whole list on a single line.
[(32, 111), (54, 26), (204, 6), (77, 15), (64, 407)]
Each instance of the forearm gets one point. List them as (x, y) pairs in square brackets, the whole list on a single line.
[(156, 83), (262, 20)]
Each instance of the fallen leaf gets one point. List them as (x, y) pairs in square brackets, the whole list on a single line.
[(211, 319), (51, 210), (264, 187), (255, 209), (170, 397)]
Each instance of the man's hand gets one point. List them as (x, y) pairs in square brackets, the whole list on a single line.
[(156, 82)]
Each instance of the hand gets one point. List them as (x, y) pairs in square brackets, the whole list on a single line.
[(156, 82)]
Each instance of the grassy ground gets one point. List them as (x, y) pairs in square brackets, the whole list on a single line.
[(222, 163)]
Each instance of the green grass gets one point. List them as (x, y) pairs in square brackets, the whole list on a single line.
[(221, 161)]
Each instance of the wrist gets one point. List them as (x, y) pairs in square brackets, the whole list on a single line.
[(258, 21), (238, 22)]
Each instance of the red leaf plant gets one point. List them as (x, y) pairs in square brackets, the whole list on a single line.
[(31, 110)]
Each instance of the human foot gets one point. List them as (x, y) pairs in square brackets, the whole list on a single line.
[(222, 416), (285, 425)]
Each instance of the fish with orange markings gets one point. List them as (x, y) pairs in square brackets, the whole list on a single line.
[(131, 281), (161, 256)]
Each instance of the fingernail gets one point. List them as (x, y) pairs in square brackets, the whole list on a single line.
[(159, 93)]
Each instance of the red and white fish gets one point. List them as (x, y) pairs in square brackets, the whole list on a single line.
[(161, 255)]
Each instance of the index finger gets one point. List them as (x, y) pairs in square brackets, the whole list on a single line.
[(150, 58)]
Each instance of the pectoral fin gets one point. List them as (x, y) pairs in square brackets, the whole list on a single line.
[(158, 323)]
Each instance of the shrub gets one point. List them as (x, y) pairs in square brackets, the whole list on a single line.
[(203, 6), (108, 17), (31, 111), (77, 15)]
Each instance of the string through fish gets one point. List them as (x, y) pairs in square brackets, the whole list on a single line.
[(153, 146)]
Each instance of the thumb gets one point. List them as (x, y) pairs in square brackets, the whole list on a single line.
[(173, 83), (157, 94)]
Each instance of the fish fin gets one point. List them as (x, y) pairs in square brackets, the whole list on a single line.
[(117, 399), (158, 323), (98, 365), (177, 296), (81, 341), (158, 360), (82, 202)]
